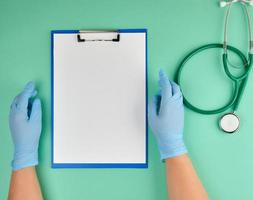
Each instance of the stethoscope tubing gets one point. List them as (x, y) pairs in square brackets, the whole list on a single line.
[(235, 99)]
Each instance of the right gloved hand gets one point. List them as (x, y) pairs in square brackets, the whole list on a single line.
[(166, 118), (25, 126)]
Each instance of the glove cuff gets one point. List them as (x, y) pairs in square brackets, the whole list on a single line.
[(22, 160), (179, 152), (172, 148)]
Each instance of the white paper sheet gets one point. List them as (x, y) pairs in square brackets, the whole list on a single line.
[(99, 100)]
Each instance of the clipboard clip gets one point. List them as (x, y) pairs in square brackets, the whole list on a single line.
[(98, 35)]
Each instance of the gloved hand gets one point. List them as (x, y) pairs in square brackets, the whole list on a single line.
[(166, 118), (25, 126)]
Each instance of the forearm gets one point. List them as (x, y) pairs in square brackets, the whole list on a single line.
[(24, 185), (182, 180)]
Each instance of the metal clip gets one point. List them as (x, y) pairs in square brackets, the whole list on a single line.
[(98, 35)]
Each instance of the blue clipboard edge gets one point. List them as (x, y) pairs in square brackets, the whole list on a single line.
[(95, 165)]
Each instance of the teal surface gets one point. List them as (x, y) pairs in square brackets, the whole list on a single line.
[(224, 162)]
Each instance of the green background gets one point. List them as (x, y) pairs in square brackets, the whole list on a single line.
[(223, 162)]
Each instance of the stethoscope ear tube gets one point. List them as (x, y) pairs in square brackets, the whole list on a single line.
[(249, 23)]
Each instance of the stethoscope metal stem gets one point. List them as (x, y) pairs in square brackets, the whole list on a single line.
[(249, 22)]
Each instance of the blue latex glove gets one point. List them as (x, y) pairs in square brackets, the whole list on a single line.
[(166, 118), (25, 126)]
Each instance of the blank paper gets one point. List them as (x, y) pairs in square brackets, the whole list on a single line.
[(99, 101)]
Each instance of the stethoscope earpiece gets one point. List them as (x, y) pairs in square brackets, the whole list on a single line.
[(223, 4), (227, 3)]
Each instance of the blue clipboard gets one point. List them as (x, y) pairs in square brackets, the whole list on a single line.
[(94, 165)]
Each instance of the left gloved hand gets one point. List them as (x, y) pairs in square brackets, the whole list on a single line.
[(25, 126)]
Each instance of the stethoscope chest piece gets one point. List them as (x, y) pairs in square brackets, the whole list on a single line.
[(229, 123)]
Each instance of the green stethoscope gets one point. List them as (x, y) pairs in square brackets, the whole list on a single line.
[(229, 122)]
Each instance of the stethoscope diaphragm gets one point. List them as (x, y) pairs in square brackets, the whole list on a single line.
[(229, 123)]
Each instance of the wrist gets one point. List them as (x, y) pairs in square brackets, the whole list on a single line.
[(177, 159), (171, 147), (24, 159)]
